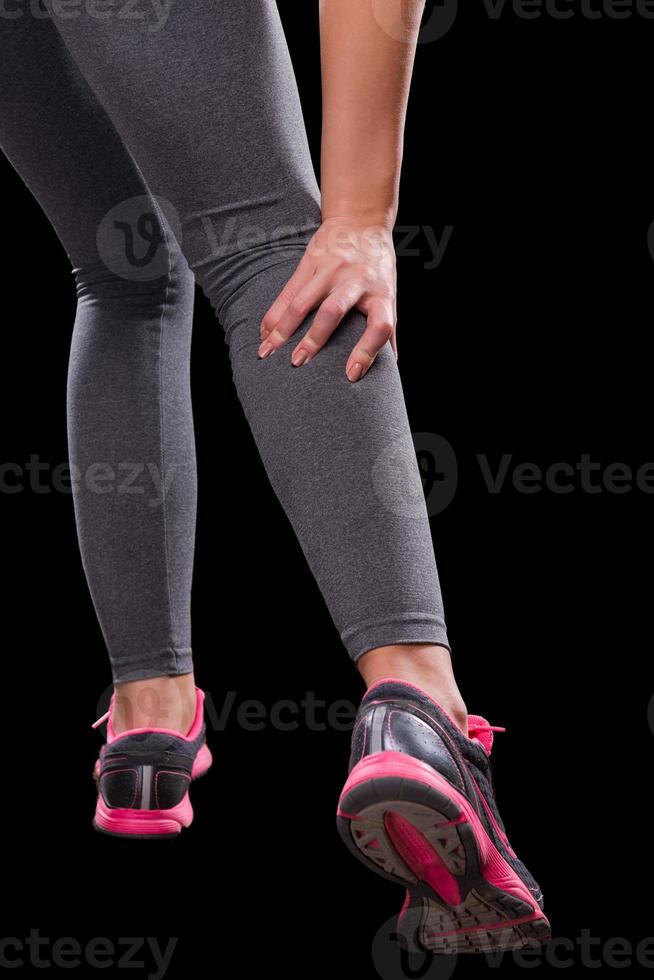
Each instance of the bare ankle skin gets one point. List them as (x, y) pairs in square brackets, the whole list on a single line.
[(155, 702), (427, 666)]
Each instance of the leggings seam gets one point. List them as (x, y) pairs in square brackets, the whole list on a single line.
[(399, 618), (162, 425)]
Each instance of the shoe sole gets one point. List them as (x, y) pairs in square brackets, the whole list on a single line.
[(149, 824), (406, 822)]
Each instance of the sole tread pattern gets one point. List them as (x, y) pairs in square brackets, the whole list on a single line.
[(413, 834)]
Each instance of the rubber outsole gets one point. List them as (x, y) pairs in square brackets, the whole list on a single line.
[(176, 819), (462, 896)]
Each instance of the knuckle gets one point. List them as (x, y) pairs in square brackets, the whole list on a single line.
[(367, 274), (298, 306), (333, 307), (285, 298)]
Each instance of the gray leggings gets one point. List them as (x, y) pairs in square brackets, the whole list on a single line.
[(165, 143)]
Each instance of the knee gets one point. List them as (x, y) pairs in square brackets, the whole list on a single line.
[(134, 289), (242, 265), (120, 326)]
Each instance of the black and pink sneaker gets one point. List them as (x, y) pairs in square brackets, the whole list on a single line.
[(143, 777), (419, 808)]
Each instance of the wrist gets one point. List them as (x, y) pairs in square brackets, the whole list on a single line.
[(359, 215)]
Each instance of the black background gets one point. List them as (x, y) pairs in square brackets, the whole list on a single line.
[(531, 139)]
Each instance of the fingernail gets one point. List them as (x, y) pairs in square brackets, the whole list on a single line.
[(299, 357), (355, 372), (265, 349)]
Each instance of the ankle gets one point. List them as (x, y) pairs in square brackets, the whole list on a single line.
[(427, 666), (155, 702)]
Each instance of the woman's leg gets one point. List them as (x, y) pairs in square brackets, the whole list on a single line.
[(129, 410), (206, 101)]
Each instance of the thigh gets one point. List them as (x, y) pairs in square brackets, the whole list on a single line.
[(205, 97), (60, 140)]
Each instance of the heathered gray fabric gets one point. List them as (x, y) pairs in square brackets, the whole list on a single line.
[(190, 114)]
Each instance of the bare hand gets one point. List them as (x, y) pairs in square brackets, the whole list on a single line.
[(347, 265)]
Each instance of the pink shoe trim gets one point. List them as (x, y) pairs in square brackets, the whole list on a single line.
[(202, 762), (491, 816), (126, 821), (405, 907), (476, 723), (495, 870), (423, 859)]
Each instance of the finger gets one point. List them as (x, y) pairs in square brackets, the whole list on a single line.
[(394, 337), (379, 331), (304, 301), (394, 343), (298, 280), (329, 315)]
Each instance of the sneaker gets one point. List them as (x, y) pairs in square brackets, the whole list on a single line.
[(419, 808), (143, 777)]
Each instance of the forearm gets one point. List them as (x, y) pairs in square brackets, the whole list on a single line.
[(366, 72)]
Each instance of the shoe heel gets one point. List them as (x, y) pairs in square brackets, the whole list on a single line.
[(142, 824)]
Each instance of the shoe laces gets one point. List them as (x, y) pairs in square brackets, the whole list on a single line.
[(479, 730), (106, 716)]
